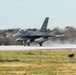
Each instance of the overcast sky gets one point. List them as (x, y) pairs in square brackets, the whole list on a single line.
[(31, 13)]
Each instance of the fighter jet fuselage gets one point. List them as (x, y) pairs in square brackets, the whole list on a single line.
[(39, 36)]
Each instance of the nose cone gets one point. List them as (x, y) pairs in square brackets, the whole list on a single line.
[(16, 35)]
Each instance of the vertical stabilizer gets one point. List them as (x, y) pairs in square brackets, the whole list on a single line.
[(44, 26)]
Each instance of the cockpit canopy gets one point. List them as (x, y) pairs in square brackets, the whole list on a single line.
[(21, 31), (24, 31)]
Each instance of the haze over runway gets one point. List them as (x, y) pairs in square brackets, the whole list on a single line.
[(31, 13)]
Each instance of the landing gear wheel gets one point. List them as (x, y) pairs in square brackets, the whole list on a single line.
[(40, 44), (28, 44)]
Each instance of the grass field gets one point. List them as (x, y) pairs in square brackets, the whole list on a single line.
[(44, 62)]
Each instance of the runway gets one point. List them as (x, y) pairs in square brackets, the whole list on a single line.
[(52, 47)]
